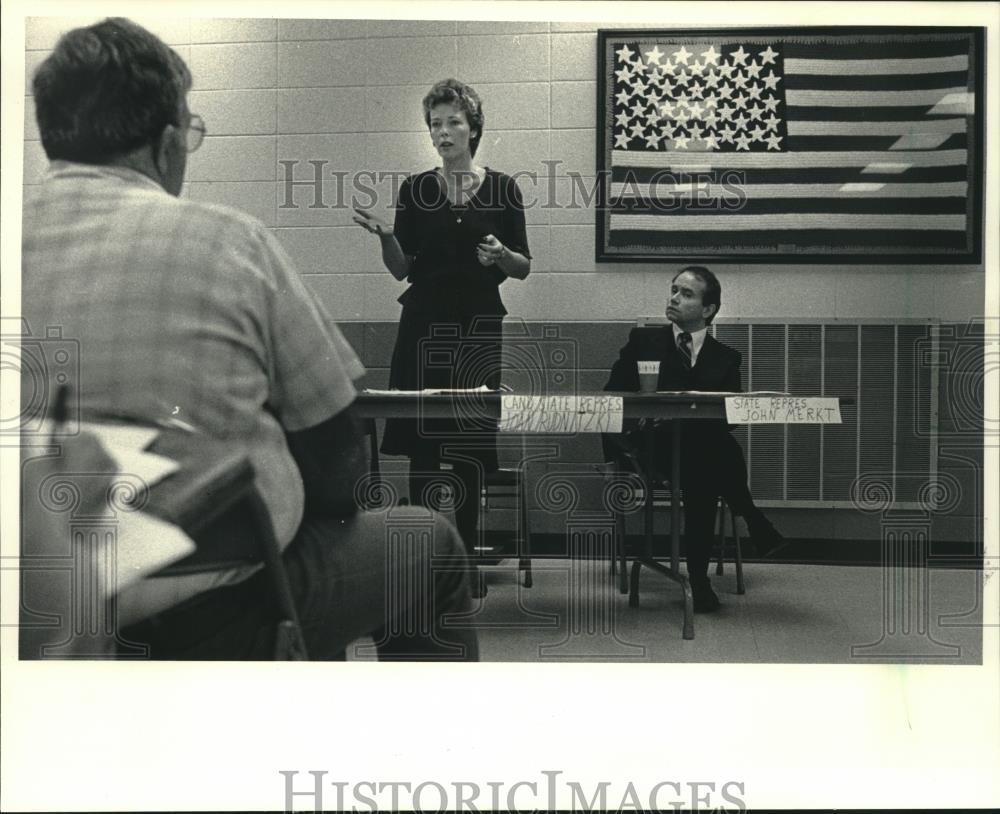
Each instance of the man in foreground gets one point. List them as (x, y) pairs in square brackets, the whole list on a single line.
[(194, 312)]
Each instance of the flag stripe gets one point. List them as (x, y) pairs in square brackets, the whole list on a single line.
[(793, 81), (803, 241), (661, 191), (935, 158), (874, 128), (928, 141), (822, 221), (885, 114), (866, 98), (903, 46), (876, 67), (731, 204), (801, 175)]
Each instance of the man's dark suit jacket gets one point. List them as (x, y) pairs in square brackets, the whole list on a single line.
[(716, 370)]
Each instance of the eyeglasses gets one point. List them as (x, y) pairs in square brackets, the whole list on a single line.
[(195, 132)]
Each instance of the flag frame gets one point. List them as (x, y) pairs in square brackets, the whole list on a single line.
[(637, 250)]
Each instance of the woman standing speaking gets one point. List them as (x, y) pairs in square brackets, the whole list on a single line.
[(459, 233)]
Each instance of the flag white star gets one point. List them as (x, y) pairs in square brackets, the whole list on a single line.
[(638, 108), (682, 55), (696, 131), (770, 80), (711, 55), (696, 90), (681, 115), (754, 91), (739, 57), (683, 79), (772, 122), (681, 142), (753, 69), (622, 97), (774, 142), (638, 130), (621, 140), (771, 103), (755, 112), (740, 101), (726, 111), (696, 67), (740, 80), (742, 143), (653, 57), (667, 110), (726, 69), (625, 54), (758, 133), (727, 133), (638, 86), (653, 139), (624, 75), (622, 119), (726, 92), (767, 57), (710, 118), (741, 121), (712, 80), (711, 142), (695, 110)]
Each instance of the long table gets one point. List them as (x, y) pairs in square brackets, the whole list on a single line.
[(675, 407)]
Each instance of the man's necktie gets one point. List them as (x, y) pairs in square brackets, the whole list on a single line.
[(684, 346)]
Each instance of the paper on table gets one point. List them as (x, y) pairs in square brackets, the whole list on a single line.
[(431, 391), (721, 393)]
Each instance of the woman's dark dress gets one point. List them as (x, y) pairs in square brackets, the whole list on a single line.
[(450, 329)]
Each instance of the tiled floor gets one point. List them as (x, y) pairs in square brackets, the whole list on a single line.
[(789, 614)]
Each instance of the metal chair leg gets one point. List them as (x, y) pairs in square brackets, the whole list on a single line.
[(720, 516), (524, 531), (740, 586)]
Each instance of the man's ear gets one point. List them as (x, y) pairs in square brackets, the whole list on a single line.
[(162, 147), (709, 311)]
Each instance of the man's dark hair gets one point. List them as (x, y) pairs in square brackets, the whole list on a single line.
[(713, 291), (106, 90), (453, 92)]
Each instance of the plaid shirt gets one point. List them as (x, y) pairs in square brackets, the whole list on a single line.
[(187, 310)]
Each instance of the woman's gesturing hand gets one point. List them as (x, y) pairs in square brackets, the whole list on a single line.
[(371, 223), (490, 250)]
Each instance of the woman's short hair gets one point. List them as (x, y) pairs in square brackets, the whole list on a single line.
[(453, 92), (106, 90)]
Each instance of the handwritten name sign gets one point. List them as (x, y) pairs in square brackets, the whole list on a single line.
[(782, 410), (560, 414)]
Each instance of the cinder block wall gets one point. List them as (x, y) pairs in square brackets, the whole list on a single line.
[(346, 94)]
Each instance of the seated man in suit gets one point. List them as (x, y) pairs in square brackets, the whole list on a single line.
[(712, 462), (194, 311)]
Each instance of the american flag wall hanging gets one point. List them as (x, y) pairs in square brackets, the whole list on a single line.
[(860, 145)]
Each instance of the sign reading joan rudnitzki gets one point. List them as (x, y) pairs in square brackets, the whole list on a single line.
[(560, 414), (749, 409)]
